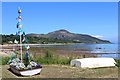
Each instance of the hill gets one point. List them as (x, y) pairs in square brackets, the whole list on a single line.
[(68, 37)]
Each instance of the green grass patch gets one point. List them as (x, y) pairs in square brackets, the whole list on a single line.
[(51, 58), (0, 60), (5, 60)]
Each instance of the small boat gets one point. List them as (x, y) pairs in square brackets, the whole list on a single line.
[(93, 62), (27, 72), (20, 68)]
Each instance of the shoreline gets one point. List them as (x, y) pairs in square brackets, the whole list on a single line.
[(4, 45), (52, 44), (10, 47)]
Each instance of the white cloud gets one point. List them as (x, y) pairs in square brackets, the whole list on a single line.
[(98, 36)]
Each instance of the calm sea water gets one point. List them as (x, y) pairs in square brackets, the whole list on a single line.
[(102, 50)]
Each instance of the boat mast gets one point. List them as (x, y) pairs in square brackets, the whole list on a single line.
[(21, 47), (20, 30)]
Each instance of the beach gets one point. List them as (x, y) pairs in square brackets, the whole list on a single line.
[(58, 70)]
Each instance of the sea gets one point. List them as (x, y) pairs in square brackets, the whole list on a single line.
[(102, 50)]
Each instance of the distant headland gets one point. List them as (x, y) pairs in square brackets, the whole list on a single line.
[(59, 36)]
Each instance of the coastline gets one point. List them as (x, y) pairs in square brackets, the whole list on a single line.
[(6, 45), (52, 44)]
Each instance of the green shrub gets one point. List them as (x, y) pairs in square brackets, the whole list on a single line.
[(117, 63), (5, 60)]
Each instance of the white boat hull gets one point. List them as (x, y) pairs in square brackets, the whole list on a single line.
[(30, 72), (26, 72), (93, 62)]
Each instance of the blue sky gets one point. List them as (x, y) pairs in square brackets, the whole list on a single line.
[(98, 19)]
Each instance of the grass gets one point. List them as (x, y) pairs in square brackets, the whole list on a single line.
[(5, 60), (0, 60), (51, 58)]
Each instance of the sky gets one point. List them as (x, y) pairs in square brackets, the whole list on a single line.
[(98, 19)]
